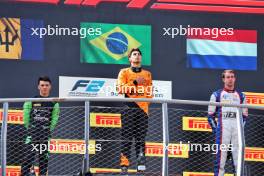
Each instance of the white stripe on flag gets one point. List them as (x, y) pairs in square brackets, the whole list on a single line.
[(210, 47)]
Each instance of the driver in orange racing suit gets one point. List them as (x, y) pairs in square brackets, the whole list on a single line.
[(134, 82)]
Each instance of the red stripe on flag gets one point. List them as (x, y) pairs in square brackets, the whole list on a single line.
[(223, 34), (204, 8)]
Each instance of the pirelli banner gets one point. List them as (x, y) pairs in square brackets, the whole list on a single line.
[(14, 116), (201, 124), (16, 171), (255, 98), (185, 127), (202, 174), (107, 120), (195, 124)]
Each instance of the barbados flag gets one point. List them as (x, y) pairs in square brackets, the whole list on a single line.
[(111, 43), (17, 41), (237, 51)]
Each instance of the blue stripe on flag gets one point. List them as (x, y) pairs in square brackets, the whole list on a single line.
[(222, 62), (32, 45)]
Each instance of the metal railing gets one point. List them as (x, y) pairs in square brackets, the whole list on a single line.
[(165, 126)]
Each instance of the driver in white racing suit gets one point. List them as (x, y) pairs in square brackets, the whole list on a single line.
[(225, 129)]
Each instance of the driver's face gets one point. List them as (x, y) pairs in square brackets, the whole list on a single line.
[(135, 58), (44, 88), (229, 79)]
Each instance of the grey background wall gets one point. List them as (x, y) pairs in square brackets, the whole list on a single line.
[(62, 53)]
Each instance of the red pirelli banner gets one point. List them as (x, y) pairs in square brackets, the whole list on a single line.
[(106, 120), (195, 124), (14, 116), (174, 150), (202, 174), (16, 170), (254, 154), (254, 98)]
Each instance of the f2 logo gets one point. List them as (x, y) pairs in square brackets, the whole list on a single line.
[(95, 86), (90, 86)]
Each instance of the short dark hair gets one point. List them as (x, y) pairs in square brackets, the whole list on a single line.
[(227, 71), (132, 50), (44, 78)]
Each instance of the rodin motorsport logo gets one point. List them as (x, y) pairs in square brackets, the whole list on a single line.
[(86, 88)]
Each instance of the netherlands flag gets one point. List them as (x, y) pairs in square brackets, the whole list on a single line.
[(237, 51)]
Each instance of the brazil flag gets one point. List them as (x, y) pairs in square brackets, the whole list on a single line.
[(111, 43)]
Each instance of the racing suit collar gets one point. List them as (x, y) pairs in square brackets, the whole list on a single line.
[(229, 90), (136, 69)]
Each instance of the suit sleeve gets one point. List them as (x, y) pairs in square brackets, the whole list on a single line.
[(26, 113), (123, 86), (54, 116), (212, 112), (150, 87), (244, 110)]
